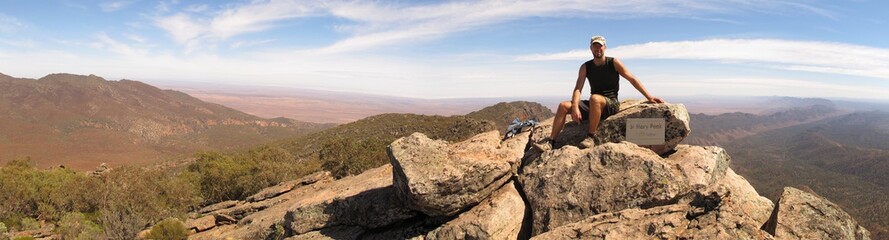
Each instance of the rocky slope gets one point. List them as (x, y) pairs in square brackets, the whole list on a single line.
[(484, 188)]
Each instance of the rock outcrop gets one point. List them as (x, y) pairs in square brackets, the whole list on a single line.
[(569, 184), (696, 216), (442, 179), (613, 129), (248, 219), (801, 215), (485, 188), (498, 217)]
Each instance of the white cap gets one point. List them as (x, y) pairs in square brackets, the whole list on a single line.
[(597, 39)]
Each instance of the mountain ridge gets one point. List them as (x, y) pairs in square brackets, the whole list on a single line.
[(66, 118)]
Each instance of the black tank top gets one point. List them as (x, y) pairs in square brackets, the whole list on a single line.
[(603, 79)]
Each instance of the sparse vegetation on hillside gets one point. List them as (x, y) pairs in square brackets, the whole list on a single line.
[(81, 121), (361, 145), (221, 177), (116, 205), (843, 158), (126, 200)]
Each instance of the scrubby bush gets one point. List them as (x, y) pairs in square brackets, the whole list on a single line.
[(134, 198), (27, 193), (120, 203), (223, 177), (29, 224), (346, 156), (3, 231), (77, 225), (237, 176), (168, 229)]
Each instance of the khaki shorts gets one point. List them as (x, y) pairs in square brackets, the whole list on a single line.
[(611, 107)]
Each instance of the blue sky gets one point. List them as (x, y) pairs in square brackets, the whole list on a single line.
[(457, 49)]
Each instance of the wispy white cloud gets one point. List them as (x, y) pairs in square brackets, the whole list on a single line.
[(136, 38), (809, 56), (240, 44), (112, 6), (183, 29), (197, 8), (192, 29), (165, 6), (759, 86), (378, 23), (257, 17), (9, 24), (19, 43), (107, 43)]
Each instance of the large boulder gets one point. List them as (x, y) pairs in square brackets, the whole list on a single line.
[(370, 209), (700, 166), (801, 215), (324, 207), (367, 206), (569, 184), (675, 117), (614, 128), (741, 209), (332, 233), (718, 216), (655, 223), (442, 179), (287, 186), (497, 217), (695, 216), (743, 200)]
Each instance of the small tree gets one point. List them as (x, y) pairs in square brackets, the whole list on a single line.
[(168, 229)]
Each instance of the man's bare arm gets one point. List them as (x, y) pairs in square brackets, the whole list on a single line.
[(575, 95), (622, 70)]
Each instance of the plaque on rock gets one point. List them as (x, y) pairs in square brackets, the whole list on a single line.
[(646, 131)]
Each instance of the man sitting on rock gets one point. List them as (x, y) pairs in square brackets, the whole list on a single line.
[(602, 73)]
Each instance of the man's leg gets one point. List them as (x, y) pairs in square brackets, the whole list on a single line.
[(597, 104), (559, 121)]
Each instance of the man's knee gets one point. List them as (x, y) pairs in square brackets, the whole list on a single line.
[(598, 100), (565, 105)]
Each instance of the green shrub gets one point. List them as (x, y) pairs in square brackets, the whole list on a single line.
[(223, 177), (237, 176), (28, 192), (133, 198), (168, 229), (75, 225), (346, 156), (277, 232), (29, 224)]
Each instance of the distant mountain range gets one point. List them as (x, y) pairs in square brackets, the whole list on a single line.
[(842, 153), (81, 121)]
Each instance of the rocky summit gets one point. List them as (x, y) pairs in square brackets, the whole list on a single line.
[(491, 188)]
